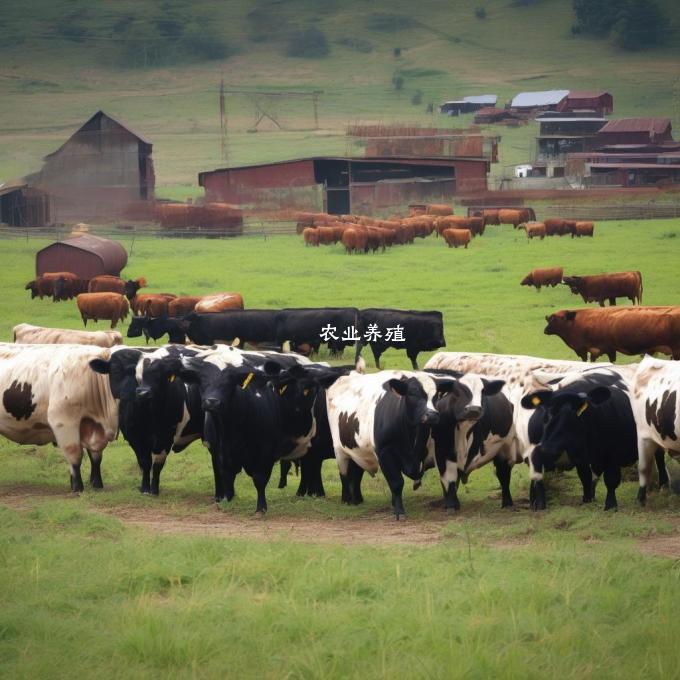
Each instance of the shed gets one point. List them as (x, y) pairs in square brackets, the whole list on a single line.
[(86, 255), (537, 101), (599, 101), (23, 206), (468, 104), (98, 171), (636, 131)]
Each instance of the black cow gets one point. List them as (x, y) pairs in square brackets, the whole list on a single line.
[(306, 325), (587, 422), (257, 413), (421, 332), (156, 327), (156, 414), (249, 325)]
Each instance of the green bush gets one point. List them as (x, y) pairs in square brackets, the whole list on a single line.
[(480, 13)]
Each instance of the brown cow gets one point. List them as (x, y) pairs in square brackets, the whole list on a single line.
[(355, 240), (151, 304), (557, 227), (629, 330), (600, 287), (457, 237), (106, 284), (535, 230), (95, 306), (511, 216), (543, 277), (219, 302), (310, 236), (183, 305), (583, 229), (44, 285), (490, 216), (326, 236), (438, 209)]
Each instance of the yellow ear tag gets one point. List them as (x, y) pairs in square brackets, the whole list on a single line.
[(582, 408), (283, 389), (535, 401), (246, 382), (172, 378), (305, 392)]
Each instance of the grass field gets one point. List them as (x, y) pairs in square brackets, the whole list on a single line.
[(113, 583)]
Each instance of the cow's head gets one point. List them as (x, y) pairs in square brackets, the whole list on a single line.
[(574, 282), (559, 322), (417, 397), (33, 288), (121, 371), (132, 287), (138, 325), (567, 415), (528, 280)]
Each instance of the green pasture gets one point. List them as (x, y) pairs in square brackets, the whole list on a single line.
[(500, 593)]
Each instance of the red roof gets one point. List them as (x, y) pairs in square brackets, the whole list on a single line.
[(586, 94), (651, 125)]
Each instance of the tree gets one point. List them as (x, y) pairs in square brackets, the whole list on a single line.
[(640, 25)]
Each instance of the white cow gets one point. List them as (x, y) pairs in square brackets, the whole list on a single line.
[(656, 408), (49, 395), (26, 334)]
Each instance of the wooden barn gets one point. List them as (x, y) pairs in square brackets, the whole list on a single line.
[(528, 103), (635, 132), (345, 185), (98, 172), (86, 255), (23, 206), (597, 101)]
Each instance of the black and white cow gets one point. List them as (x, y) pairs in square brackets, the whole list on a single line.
[(421, 332), (587, 422), (157, 412), (50, 396), (475, 427), (377, 421), (257, 412), (656, 407)]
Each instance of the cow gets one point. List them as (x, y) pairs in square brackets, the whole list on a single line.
[(583, 229), (44, 285), (535, 230), (157, 412), (355, 240), (475, 426), (131, 287), (600, 287), (551, 276), (655, 394), (248, 325), (314, 326), (474, 224), (50, 397), (326, 236), (111, 306), (588, 418), (558, 227), (608, 330), (183, 305), (151, 304), (519, 373), (375, 421), (310, 236), (414, 331), (256, 412), (156, 327), (66, 286), (218, 302), (438, 209), (511, 216), (457, 237), (106, 283), (26, 334)]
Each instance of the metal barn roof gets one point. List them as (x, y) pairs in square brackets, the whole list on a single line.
[(111, 253), (487, 99), (545, 98), (656, 125)]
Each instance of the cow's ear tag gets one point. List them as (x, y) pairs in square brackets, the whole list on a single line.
[(537, 400), (172, 378), (305, 392), (246, 382), (582, 408), (283, 389)]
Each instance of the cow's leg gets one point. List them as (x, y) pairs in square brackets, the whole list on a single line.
[(503, 472), (612, 479), (218, 475), (586, 476), (311, 483), (660, 458), (95, 469), (84, 318), (343, 464), (260, 480), (646, 451), (537, 485), (144, 461), (612, 302), (69, 441), (448, 476), (376, 355), (413, 356), (601, 302), (158, 461), (355, 474), (284, 469), (392, 473)]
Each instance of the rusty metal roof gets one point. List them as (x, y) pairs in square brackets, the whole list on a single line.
[(111, 253), (587, 94), (656, 125)]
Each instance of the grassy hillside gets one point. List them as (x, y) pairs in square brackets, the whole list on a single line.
[(64, 60)]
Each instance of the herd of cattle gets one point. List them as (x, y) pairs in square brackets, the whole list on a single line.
[(254, 408), (359, 233)]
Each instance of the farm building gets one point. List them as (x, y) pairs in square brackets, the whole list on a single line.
[(596, 101), (23, 206), (86, 255), (98, 172), (344, 185), (490, 114), (468, 104), (635, 131), (531, 102)]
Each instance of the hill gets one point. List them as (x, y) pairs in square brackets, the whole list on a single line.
[(150, 67)]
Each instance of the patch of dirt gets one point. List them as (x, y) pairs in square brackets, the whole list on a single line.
[(379, 530), (664, 546)]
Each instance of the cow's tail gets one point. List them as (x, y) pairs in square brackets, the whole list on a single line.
[(640, 289)]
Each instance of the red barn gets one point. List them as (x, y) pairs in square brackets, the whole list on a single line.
[(86, 255), (635, 131), (599, 101)]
